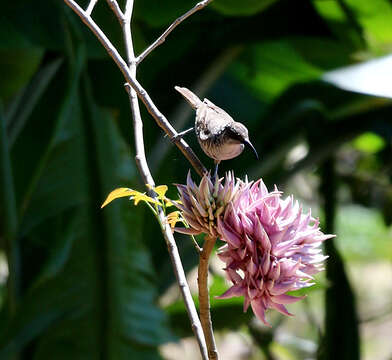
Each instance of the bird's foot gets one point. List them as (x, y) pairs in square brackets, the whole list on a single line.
[(180, 135)]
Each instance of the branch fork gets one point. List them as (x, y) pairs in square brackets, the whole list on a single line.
[(202, 329)]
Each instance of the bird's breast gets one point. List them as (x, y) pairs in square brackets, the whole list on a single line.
[(224, 151)]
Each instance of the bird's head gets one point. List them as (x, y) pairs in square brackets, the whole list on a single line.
[(239, 132)]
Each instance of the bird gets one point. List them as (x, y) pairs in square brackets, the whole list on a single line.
[(219, 136)]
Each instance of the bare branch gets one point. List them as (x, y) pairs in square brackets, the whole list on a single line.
[(176, 22), (129, 9), (116, 9), (141, 92), (134, 88), (90, 7), (144, 170)]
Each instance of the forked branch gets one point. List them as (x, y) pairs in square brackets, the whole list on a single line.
[(160, 119), (134, 90), (90, 7), (175, 23)]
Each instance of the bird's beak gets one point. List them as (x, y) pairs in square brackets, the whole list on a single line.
[(249, 144)]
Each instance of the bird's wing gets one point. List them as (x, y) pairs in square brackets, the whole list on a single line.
[(209, 121), (189, 96), (215, 108)]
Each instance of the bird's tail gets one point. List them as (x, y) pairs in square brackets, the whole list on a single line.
[(189, 96)]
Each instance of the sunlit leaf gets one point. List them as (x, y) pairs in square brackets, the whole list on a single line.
[(160, 190), (369, 143), (169, 203), (271, 67), (337, 18), (372, 16), (138, 196), (173, 218), (118, 193), (368, 78)]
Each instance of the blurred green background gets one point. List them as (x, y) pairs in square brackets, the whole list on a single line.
[(77, 282)]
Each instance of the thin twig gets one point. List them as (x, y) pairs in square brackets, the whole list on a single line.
[(90, 7), (141, 92), (196, 244), (141, 161), (204, 297), (176, 22), (117, 10)]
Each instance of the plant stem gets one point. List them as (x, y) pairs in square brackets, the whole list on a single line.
[(176, 22), (204, 297), (144, 170)]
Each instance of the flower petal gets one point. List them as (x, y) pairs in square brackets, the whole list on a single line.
[(228, 235), (235, 290), (259, 310), (286, 299)]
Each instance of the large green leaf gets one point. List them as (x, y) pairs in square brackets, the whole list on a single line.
[(17, 68), (270, 68), (9, 217), (372, 16), (342, 22), (19, 59), (156, 13), (360, 21), (245, 7), (40, 22), (22, 106), (92, 287)]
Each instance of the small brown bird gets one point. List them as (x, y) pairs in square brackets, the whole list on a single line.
[(219, 136)]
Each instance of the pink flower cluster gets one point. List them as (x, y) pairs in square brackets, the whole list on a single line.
[(271, 248)]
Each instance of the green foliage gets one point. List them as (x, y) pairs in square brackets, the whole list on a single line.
[(363, 234), (369, 142), (246, 7), (84, 283)]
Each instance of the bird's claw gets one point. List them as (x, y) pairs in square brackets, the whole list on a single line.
[(179, 136)]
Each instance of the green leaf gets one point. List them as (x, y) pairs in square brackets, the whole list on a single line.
[(46, 193), (22, 107), (242, 8), (221, 311), (92, 288), (363, 234), (39, 22), (157, 14), (342, 22), (369, 142), (17, 68), (361, 22), (270, 68), (372, 16), (9, 217)]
